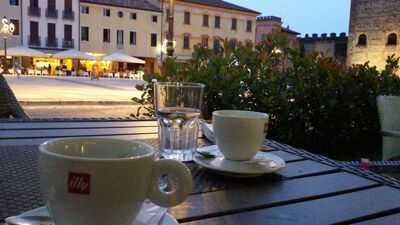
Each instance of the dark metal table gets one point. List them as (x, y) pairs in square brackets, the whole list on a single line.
[(311, 190)]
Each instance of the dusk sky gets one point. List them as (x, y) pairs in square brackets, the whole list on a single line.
[(305, 16)]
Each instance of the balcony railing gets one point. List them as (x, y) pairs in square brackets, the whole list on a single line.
[(51, 13), (34, 41), (68, 14), (52, 42), (34, 11), (68, 43)]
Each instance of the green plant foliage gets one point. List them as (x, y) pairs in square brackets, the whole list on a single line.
[(313, 102)]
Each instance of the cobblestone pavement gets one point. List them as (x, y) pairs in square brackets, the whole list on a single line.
[(72, 89)]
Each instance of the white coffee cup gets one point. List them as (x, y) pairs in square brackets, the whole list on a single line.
[(104, 181), (239, 134)]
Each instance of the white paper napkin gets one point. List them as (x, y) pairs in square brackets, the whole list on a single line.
[(150, 214)]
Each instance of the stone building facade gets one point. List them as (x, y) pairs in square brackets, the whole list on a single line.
[(332, 46), (374, 30), (272, 24)]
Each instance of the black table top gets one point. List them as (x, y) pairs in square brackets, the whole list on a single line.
[(311, 190)]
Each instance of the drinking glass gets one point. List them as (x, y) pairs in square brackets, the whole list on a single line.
[(178, 107)]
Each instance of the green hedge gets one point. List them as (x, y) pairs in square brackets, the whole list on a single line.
[(313, 102)]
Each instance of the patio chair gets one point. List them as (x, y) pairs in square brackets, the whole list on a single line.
[(9, 106), (117, 75), (132, 76), (45, 73), (38, 72), (389, 116)]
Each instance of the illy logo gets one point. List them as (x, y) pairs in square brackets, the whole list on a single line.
[(79, 183)]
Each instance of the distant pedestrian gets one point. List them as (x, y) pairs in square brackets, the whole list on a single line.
[(94, 73)]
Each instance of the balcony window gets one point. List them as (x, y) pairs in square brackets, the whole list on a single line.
[(153, 40), (187, 18), (154, 19), (68, 42), (14, 2), (107, 12), (68, 13), (120, 14), (33, 9), (34, 39), (51, 11), (106, 35), (51, 35), (217, 45), (217, 23), (205, 20), (133, 16), (84, 33)]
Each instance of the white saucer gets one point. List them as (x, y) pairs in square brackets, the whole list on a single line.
[(263, 163)]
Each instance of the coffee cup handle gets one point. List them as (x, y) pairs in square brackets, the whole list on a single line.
[(183, 183)]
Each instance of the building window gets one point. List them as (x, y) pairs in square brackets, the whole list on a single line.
[(107, 12), (34, 3), (186, 41), (205, 20), (133, 16), (167, 12), (217, 23), (187, 18), (16, 24), (392, 39), (132, 38), (204, 41), (154, 19), (84, 33), (234, 24), (362, 40), (51, 31), (68, 32), (216, 45), (120, 37), (84, 9), (153, 40), (120, 14), (14, 2), (249, 26), (68, 5), (106, 35)]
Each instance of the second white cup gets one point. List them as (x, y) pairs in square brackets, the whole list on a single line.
[(239, 134)]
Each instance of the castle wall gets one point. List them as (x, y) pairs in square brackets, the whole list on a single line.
[(376, 19)]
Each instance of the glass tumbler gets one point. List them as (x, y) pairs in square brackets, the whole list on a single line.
[(178, 107)]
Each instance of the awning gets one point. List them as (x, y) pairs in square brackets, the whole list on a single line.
[(74, 54), (121, 57), (24, 51)]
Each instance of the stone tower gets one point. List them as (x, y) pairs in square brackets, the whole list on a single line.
[(374, 31)]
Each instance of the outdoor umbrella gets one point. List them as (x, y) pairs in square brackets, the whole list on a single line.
[(24, 51), (74, 54), (121, 57)]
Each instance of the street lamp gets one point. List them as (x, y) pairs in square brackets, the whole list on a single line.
[(7, 29)]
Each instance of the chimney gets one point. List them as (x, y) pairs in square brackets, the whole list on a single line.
[(315, 35)]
